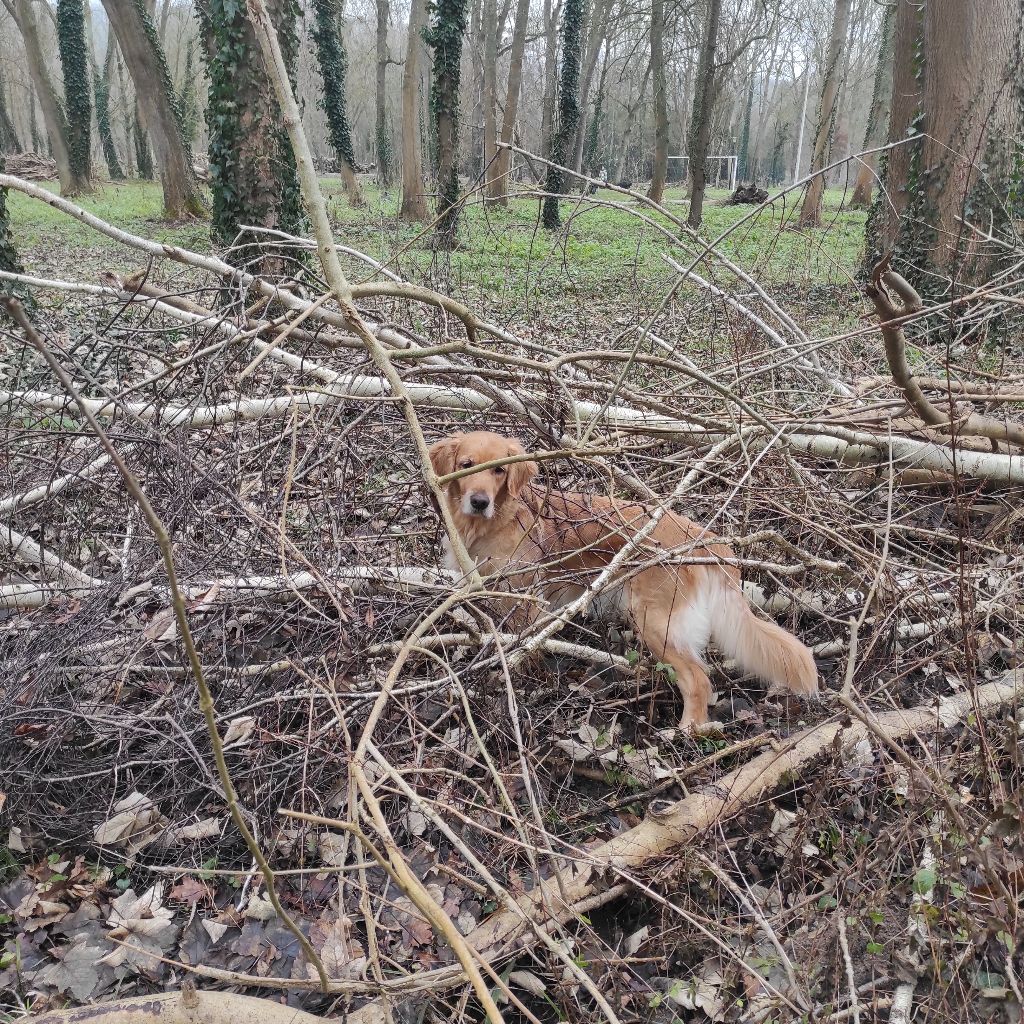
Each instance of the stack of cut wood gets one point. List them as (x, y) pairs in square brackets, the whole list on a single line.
[(747, 194), (31, 167)]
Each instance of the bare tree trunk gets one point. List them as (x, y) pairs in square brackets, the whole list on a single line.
[(547, 116), (385, 151), (704, 92), (493, 186), (414, 202), (49, 99), (144, 57), (878, 116), (660, 173), (503, 163), (595, 40), (9, 142), (810, 213), (968, 120)]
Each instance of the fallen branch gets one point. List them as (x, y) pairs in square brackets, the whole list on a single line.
[(973, 424), (680, 824), (189, 1006)]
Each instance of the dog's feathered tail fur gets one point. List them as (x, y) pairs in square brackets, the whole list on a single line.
[(759, 647)]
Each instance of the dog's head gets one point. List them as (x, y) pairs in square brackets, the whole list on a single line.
[(480, 493)]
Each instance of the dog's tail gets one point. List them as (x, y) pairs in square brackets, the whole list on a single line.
[(759, 647)]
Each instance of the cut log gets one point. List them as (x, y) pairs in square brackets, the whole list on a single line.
[(186, 1007)]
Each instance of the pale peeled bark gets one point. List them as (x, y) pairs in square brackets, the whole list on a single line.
[(187, 1007)]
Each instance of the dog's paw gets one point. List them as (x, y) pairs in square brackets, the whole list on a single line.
[(694, 729)]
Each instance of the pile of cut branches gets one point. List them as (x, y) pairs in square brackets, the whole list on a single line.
[(252, 735)]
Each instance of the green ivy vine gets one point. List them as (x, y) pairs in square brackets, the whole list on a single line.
[(241, 116), (568, 109), (74, 60), (333, 61), (101, 88), (444, 35)]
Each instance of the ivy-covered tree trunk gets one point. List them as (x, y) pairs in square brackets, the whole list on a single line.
[(252, 167), (568, 110), (878, 115), (140, 139), (705, 89), (160, 113), (54, 118), (385, 150), (101, 88), (444, 36), (960, 179), (810, 212), (414, 202), (74, 62), (660, 172), (503, 161), (333, 62)]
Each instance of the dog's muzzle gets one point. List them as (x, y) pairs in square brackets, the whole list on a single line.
[(478, 504)]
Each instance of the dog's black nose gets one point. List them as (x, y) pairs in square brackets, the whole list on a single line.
[(479, 502)]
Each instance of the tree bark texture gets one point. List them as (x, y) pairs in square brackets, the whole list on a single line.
[(878, 116), (147, 65), (414, 203), (503, 163), (660, 172), (958, 179), (54, 118), (445, 37), (704, 92), (385, 150), (568, 108), (9, 142), (810, 213), (252, 167), (596, 34), (74, 63), (101, 90), (552, 12), (333, 61), (493, 185)]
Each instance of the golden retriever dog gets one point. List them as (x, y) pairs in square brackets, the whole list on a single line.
[(554, 543)]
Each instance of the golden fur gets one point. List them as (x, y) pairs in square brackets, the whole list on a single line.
[(555, 543)]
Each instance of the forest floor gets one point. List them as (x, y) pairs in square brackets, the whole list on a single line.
[(823, 898), (606, 268)]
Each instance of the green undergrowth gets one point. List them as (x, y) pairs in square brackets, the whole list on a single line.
[(603, 263)]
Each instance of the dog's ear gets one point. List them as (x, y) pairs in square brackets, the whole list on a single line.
[(519, 473), (443, 454)]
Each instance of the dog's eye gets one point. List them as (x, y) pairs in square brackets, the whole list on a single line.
[(499, 470)]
